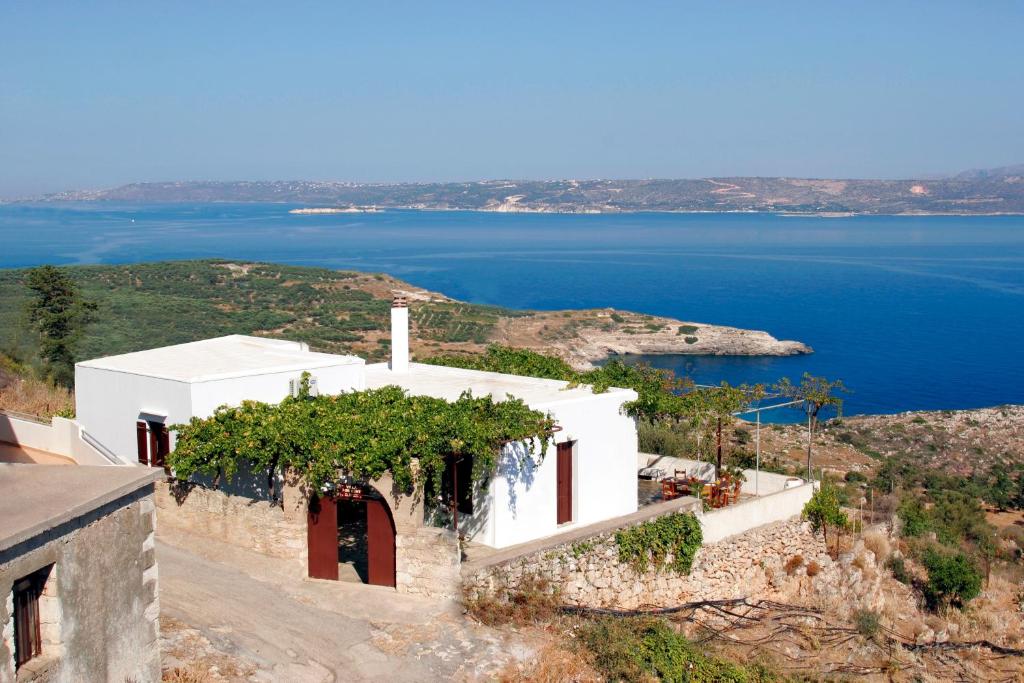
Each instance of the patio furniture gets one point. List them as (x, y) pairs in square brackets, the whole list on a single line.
[(668, 490), (655, 473)]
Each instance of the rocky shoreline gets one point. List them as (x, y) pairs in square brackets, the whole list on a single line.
[(583, 337)]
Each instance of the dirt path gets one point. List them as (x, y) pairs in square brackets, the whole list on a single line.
[(257, 612)]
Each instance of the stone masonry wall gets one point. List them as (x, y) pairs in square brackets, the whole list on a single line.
[(588, 572), (100, 607), (427, 559), (235, 520), (427, 562)]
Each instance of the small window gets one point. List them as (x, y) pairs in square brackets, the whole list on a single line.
[(153, 442), (458, 478), (28, 641)]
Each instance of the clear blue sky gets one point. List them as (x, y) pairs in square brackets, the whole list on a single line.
[(96, 94)]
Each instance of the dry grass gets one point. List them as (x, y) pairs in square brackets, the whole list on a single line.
[(878, 543), (553, 664), (196, 658), (35, 397), (793, 563), (813, 568), (192, 673), (533, 601)]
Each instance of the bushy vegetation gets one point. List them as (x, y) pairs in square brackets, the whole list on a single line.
[(362, 434), (942, 518), (953, 579), (645, 648), (678, 536), (824, 512)]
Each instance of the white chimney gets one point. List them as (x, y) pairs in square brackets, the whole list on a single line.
[(399, 334)]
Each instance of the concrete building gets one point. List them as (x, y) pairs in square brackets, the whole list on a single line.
[(78, 575)]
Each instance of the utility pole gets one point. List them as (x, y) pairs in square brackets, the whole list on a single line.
[(719, 472)]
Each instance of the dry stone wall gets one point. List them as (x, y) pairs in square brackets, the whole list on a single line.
[(588, 572)]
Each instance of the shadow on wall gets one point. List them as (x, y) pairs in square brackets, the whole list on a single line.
[(244, 483), (518, 465), (435, 514)]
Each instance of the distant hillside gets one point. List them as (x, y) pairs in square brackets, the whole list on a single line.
[(142, 306), (972, 192)]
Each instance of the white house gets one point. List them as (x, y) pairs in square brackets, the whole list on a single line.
[(589, 474), (125, 403)]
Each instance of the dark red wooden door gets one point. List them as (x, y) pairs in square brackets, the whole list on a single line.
[(322, 538), (564, 482), (380, 543), (163, 445)]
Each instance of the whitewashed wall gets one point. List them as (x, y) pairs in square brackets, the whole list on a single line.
[(271, 387), (522, 503), (60, 437), (109, 403), (754, 512)]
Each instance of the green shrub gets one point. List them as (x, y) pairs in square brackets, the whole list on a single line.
[(687, 329), (617, 318), (867, 623), (690, 340), (678, 535), (952, 579), (914, 517), (823, 510), (639, 648), (855, 477), (899, 569), (661, 439)]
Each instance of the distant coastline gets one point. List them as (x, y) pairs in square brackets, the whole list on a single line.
[(330, 210), (990, 193)]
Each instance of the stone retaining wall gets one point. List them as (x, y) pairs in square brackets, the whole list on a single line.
[(427, 559), (588, 572), (235, 520)]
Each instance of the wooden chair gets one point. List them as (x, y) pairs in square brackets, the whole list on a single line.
[(668, 490)]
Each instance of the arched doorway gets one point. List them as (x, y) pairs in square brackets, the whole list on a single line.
[(351, 527)]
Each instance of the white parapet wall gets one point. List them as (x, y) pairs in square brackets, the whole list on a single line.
[(751, 513), (59, 436)]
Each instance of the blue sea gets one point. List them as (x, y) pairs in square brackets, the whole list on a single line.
[(911, 312)]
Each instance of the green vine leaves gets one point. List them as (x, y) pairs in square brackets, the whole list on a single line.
[(678, 536), (361, 434)]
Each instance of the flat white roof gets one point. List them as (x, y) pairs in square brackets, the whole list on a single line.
[(449, 383), (220, 358)]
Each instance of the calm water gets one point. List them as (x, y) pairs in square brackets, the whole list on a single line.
[(912, 313)]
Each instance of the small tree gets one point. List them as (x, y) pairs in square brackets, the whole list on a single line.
[(815, 393), (59, 315), (823, 511), (952, 580)]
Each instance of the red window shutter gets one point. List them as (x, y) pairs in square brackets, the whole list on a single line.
[(142, 441), (27, 641)]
